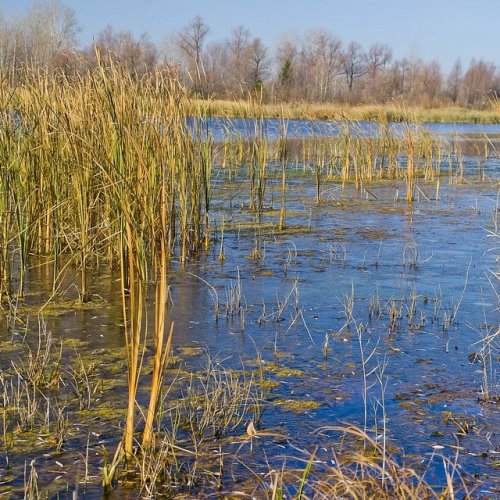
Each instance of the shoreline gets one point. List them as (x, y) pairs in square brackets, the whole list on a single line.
[(379, 113)]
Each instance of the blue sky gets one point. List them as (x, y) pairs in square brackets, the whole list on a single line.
[(431, 29)]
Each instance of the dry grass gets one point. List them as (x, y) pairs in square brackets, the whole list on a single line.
[(368, 472), (326, 111)]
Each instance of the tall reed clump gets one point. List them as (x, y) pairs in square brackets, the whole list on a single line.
[(152, 160), (257, 169), (60, 138), (102, 168), (282, 156), (410, 165), (6, 146)]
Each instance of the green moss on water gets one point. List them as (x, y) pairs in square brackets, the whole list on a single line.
[(25, 441), (269, 385), (408, 405), (174, 372), (188, 351), (283, 372), (379, 233), (265, 273), (103, 412), (298, 405), (245, 226), (281, 355), (174, 360), (59, 307), (10, 347)]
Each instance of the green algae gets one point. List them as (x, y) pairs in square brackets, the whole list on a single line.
[(265, 273), (188, 351), (59, 307), (288, 372), (268, 385), (297, 405)]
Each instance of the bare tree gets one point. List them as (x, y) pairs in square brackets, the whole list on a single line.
[(47, 29), (454, 81), (399, 76), (378, 57), (354, 62), (431, 79), (260, 64), (376, 84), (216, 68), (323, 55), (190, 41), (53, 27), (247, 62), (238, 47), (479, 81), (7, 42), (139, 56)]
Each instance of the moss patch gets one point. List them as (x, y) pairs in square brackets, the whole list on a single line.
[(298, 405), (283, 372)]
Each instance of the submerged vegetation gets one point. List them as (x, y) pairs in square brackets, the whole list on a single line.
[(109, 192)]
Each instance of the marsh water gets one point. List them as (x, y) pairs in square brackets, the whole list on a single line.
[(221, 128), (366, 310)]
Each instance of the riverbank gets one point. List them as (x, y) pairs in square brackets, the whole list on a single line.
[(327, 111)]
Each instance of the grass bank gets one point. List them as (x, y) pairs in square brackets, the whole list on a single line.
[(327, 111)]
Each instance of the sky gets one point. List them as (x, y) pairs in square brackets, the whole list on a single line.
[(443, 30)]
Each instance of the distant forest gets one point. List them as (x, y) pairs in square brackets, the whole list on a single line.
[(317, 68)]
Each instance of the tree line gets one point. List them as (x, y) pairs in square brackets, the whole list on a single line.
[(317, 67)]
